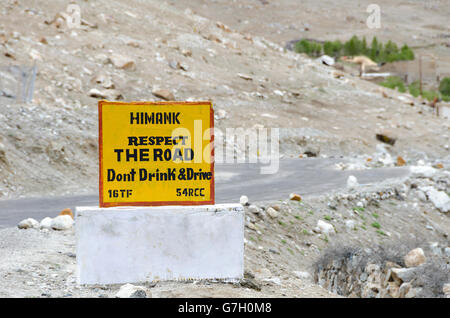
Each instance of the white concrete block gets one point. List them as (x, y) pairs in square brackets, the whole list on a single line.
[(139, 244)]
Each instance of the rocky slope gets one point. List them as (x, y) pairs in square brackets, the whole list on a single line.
[(127, 50)]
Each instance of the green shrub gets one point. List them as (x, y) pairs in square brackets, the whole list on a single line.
[(444, 86), (376, 51), (390, 53), (414, 88), (332, 48), (376, 225), (406, 53), (430, 95), (308, 47), (353, 46), (394, 82)]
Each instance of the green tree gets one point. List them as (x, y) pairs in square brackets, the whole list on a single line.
[(375, 49), (444, 86)]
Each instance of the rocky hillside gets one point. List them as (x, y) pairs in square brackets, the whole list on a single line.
[(148, 50)]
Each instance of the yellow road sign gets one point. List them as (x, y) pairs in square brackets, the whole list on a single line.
[(156, 153)]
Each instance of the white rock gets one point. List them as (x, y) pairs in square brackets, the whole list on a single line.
[(350, 224), (352, 182), (425, 171), (386, 160), (325, 227), (122, 62), (327, 60), (447, 251), (262, 273), (62, 222), (221, 114), (415, 258), (28, 224), (446, 289), (243, 200), (303, 275), (440, 199), (274, 280), (46, 223), (272, 213), (254, 209), (131, 291), (421, 195)]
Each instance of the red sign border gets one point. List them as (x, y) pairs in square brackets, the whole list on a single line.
[(156, 203)]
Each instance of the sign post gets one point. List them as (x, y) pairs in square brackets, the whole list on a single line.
[(158, 153), (157, 218)]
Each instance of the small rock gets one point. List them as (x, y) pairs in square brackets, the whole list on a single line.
[(440, 199), (105, 81), (421, 196), (415, 258), (295, 197), (262, 273), (164, 94), (122, 62), (325, 227), (327, 60), (186, 52), (352, 182), (435, 248), (400, 161), (97, 93), (272, 213), (386, 139), (446, 289), (221, 114), (254, 209), (46, 223), (245, 77), (67, 211), (447, 251), (303, 275), (131, 291), (350, 225), (28, 224), (174, 65), (405, 275), (404, 290), (422, 171), (251, 226), (243, 200), (214, 38), (62, 222), (105, 94)]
